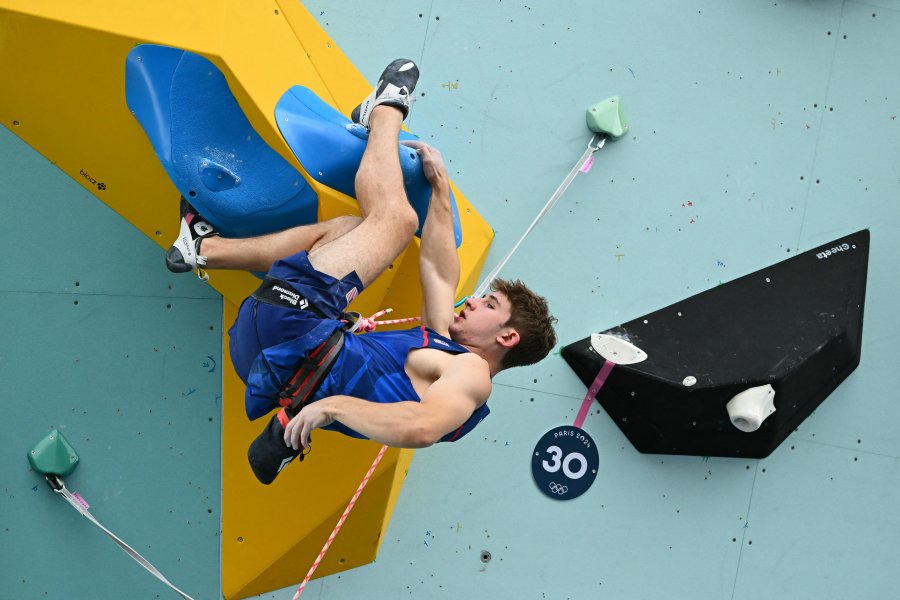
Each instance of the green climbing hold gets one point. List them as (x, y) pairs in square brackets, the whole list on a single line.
[(608, 117), (53, 455)]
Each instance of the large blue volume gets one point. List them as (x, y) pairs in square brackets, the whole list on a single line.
[(208, 147), (224, 168)]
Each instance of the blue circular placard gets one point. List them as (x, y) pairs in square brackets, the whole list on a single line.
[(564, 462)]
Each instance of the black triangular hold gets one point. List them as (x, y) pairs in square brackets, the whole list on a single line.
[(796, 326)]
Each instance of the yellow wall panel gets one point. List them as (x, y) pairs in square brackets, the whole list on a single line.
[(62, 72)]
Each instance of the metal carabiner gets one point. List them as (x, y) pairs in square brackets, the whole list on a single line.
[(56, 484), (599, 143)]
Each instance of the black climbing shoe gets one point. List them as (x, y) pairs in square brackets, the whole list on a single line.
[(268, 454)]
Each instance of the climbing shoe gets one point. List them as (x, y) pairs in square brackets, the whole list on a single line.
[(184, 255), (268, 454), (395, 88)]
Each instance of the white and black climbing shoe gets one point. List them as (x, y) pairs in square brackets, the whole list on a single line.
[(394, 88), (184, 255)]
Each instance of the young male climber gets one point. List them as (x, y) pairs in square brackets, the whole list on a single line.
[(407, 388)]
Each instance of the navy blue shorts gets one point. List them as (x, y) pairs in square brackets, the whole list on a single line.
[(268, 341)]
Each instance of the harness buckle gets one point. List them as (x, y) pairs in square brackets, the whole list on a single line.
[(351, 321), (596, 142)]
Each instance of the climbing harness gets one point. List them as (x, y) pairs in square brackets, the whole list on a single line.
[(54, 453), (313, 367), (267, 453), (280, 293), (310, 373)]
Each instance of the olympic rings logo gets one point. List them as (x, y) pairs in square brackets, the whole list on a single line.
[(558, 489)]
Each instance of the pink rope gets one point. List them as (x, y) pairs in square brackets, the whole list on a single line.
[(365, 325), (340, 522), (396, 321), (369, 324)]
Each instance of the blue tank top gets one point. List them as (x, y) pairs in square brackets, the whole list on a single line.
[(372, 366)]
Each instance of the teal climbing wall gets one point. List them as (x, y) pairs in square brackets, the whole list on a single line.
[(759, 129), (99, 342)]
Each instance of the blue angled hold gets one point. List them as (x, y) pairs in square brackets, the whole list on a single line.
[(216, 159), (330, 148)]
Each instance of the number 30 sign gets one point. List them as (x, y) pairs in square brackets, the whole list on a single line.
[(564, 463)]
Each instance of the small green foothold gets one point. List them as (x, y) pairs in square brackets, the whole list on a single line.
[(608, 117), (53, 455)]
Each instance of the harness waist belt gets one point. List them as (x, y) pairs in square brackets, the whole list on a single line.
[(280, 293)]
